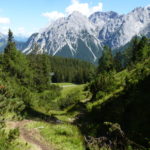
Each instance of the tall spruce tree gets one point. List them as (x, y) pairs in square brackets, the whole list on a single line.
[(11, 46), (118, 61), (41, 67), (15, 63), (134, 50), (143, 49), (106, 61)]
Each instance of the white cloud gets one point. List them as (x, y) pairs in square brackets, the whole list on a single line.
[(99, 7), (53, 15), (83, 8), (4, 20), (22, 32), (4, 29), (17, 31)]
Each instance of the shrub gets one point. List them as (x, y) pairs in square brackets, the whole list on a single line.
[(104, 83), (70, 99), (13, 134)]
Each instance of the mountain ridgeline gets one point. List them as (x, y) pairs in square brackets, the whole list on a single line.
[(81, 37), (77, 36)]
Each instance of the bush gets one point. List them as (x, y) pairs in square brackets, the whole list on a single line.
[(13, 134), (104, 83), (72, 98)]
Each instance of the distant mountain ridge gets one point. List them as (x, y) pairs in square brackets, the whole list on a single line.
[(73, 36), (80, 37), (20, 44), (120, 29), (3, 41)]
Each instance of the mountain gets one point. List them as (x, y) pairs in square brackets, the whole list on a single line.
[(73, 36), (21, 38), (3, 41), (100, 19), (117, 30), (81, 37), (20, 44)]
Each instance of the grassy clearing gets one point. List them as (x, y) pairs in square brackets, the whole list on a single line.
[(60, 136), (68, 94), (66, 90), (63, 84), (69, 87), (64, 114)]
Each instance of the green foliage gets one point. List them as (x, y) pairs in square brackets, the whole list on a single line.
[(70, 99), (56, 69), (10, 36), (128, 108), (143, 51), (102, 85), (13, 134), (122, 100), (14, 64), (71, 70), (106, 61), (41, 71), (24, 83), (118, 61), (137, 50), (8, 140), (63, 136), (4, 144)]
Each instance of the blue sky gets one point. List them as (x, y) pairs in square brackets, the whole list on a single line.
[(27, 16)]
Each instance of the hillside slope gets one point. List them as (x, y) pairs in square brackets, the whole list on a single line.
[(123, 115)]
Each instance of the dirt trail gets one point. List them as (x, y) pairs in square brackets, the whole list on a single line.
[(33, 137)]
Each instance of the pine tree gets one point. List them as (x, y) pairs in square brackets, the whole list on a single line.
[(41, 67), (106, 61), (118, 61), (143, 49), (15, 63), (134, 50), (11, 46), (10, 36)]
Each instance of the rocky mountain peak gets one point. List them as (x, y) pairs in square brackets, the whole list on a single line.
[(81, 37)]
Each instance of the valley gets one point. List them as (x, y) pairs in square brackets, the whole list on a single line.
[(81, 83)]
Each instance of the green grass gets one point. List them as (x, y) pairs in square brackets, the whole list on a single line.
[(66, 90), (65, 83), (20, 144), (70, 87), (60, 136), (63, 136), (9, 143), (63, 114)]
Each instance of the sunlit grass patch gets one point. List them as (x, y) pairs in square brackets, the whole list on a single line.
[(61, 136)]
